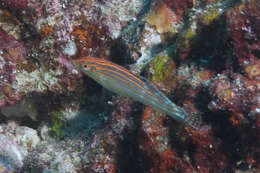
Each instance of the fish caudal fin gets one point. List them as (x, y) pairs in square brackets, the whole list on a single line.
[(193, 120)]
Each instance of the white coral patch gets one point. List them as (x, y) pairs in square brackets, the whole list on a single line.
[(149, 39), (37, 80), (117, 13), (69, 113), (70, 49), (27, 137)]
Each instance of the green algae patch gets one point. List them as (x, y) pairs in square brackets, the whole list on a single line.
[(58, 124), (162, 72), (190, 34), (209, 17)]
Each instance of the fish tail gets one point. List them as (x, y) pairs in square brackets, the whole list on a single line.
[(193, 120)]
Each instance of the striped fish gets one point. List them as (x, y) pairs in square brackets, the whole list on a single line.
[(121, 81)]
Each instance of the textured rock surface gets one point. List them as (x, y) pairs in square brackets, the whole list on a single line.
[(16, 143)]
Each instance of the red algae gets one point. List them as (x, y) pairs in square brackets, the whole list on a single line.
[(47, 30), (154, 142), (90, 38), (208, 155), (162, 18), (236, 96), (244, 28), (106, 146), (179, 7), (14, 54)]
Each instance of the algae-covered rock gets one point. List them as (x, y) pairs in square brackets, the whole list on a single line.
[(209, 17), (162, 73), (58, 123)]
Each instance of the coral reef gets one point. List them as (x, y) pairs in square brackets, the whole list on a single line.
[(203, 54), (16, 142)]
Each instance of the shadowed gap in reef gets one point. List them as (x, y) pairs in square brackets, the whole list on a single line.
[(212, 48), (235, 142), (130, 157)]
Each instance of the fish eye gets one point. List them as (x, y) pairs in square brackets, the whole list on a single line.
[(85, 66), (88, 67)]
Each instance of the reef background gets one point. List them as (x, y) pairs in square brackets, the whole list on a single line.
[(203, 54)]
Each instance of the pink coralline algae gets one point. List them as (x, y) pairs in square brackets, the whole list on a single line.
[(244, 27), (14, 53), (236, 96)]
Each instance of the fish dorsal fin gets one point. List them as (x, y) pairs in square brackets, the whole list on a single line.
[(143, 78), (149, 84), (153, 88)]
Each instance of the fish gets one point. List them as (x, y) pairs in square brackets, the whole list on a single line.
[(121, 81)]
